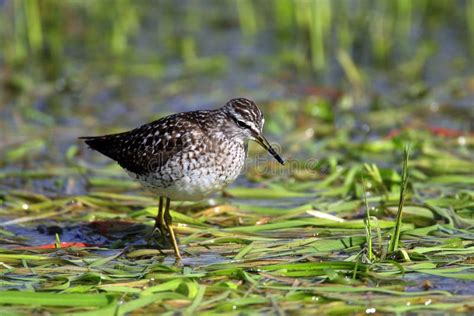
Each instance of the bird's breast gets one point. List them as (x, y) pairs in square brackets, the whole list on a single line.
[(198, 171)]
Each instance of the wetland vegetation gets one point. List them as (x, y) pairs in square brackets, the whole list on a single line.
[(371, 103)]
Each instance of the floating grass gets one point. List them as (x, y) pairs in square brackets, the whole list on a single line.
[(267, 238), (55, 299)]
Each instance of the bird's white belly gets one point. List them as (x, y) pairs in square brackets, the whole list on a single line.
[(197, 178), (195, 185)]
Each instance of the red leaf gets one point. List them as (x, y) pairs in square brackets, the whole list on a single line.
[(63, 245)]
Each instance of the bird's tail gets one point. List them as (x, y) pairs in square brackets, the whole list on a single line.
[(107, 145)]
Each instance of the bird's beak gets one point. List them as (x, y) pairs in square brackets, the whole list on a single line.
[(262, 141)]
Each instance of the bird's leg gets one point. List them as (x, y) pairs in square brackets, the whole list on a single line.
[(158, 215), (160, 221), (169, 225)]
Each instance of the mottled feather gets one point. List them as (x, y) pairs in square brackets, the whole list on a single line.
[(188, 155), (147, 148)]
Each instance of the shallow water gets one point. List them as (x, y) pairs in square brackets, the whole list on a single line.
[(426, 282)]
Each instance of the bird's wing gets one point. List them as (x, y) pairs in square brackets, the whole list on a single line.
[(147, 148)]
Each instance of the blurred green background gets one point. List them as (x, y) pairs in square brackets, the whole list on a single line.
[(357, 71)]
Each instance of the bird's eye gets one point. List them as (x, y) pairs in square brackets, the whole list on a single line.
[(242, 124)]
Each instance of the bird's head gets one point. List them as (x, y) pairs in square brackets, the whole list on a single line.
[(247, 121)]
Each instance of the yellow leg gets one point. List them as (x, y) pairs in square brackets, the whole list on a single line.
[(169, 225), (160, 220)]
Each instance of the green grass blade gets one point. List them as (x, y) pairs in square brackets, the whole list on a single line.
[(54, 299), (395, 238)]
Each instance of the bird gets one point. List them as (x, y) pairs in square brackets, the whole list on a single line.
[(188, 155)]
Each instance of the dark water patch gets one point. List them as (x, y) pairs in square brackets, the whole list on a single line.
[(97, 233), (426, 282), (45, 233)]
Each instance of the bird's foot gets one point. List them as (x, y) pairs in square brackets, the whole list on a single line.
[(158, 237)]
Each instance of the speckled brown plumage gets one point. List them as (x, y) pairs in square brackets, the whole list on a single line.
[(188, 155)]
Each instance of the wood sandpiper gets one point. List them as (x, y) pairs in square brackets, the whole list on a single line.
[(187, 156)]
